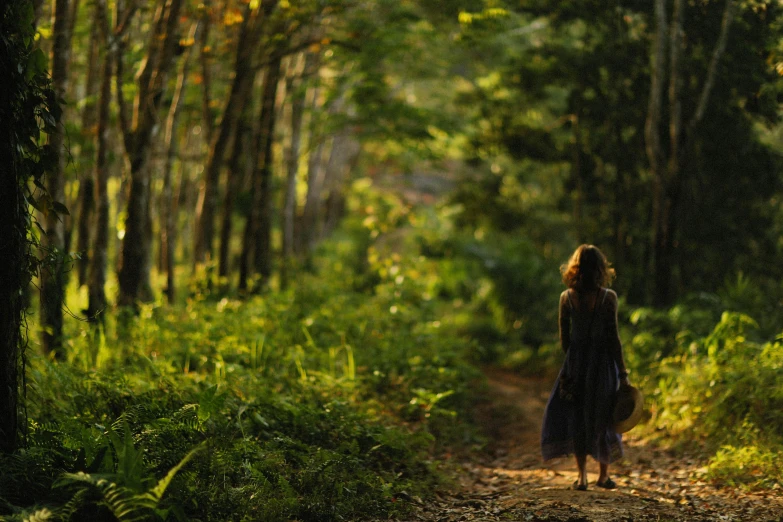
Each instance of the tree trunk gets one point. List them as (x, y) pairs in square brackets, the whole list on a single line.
[(86, 184), (168, 218), (317, 175), (315, 183), (13, 278), (576, 173), (13, 257), (53, 242), (263, 193), (257, 237), (205, 54), (244, 75), (668, 172), (135, 256), (297, 96), (100, 257), (345, 152), (239, 165)]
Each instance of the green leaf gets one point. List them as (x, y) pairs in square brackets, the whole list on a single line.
[(60, 209), (37, 63)]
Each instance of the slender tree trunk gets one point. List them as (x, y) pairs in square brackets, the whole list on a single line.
[(257, 237), (205, 55), (135, 263), (236, 173), (244, 75), (53, 276), (263, 195), (576, 173), (668, 171), (652, 129), (297, 96), (317, 175), (315, 183), (168, 231), (87, 185), (100, 258), (342, 160)]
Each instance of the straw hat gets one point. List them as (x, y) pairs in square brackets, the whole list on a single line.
[(628, 408)]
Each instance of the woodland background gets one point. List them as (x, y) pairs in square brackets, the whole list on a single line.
[(269, 243)]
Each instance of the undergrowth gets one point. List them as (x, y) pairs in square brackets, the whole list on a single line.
[(711, 373), (323, 402)]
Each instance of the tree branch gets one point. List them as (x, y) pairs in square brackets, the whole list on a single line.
[(720, 48)]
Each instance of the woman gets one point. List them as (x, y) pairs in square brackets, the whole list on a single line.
[(578, 416)]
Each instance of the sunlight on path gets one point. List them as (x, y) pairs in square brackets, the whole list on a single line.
[(511, 482)]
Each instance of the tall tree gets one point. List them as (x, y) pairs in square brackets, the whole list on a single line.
[(53, 242), (245, 70), (24, 104), (257, 243), (111, 36), (168, 216), (86, 200), (296, 94), (137, 135), (237, 173), (668, 163)]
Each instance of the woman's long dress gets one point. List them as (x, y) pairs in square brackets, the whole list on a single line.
[(583, 426)]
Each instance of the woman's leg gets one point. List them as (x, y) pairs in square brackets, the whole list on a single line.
[(604, 474), (604, 481), (581, 464)]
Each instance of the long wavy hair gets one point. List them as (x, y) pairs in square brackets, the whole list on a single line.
[(587, 270)]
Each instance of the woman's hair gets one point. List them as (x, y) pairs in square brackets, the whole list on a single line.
[(587, 269)]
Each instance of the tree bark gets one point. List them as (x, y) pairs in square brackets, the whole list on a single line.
[(244, 75), (205, 54), (100, 258), (668, 167), (168, 218), (297, 97), (135, 256), (315, 183), (13, 278), (312, 220), (14, 253), (53, 242), (345, 152), (239, 165), (257, 237), (86, 185)]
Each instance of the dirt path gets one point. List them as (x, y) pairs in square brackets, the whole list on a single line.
[(511, 483)]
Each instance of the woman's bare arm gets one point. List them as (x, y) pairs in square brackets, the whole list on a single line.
[(564, 321), (613, 334)]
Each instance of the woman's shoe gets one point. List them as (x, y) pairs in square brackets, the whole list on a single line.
[(607, 484), (579, 487)]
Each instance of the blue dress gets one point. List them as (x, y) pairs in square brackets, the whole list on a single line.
[(584, 425)]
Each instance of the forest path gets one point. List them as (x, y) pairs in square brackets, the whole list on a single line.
[(512, 483)]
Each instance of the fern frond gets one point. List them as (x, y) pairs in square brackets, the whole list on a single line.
[(40, 515), (156, 493)]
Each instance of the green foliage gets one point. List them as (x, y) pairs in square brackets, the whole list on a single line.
[(720, 390), (324, 402)]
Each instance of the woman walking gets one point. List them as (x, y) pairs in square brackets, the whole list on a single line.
[(578, 416)]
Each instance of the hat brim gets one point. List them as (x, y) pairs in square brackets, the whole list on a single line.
[(626, 424)]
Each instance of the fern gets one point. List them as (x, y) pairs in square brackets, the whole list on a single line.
[(126, 501), (41, 515)]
